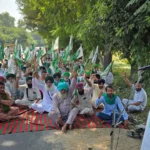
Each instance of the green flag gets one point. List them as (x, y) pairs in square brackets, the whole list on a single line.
[(32, 48), (95, 57), (17, 54), (67, 51), (78, 54), (108, 69), (1, 52), (41, 52)]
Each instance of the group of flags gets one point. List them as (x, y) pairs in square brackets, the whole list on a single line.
[(67, 55)]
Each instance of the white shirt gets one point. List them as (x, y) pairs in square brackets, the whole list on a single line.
[(140, 96), (85, 99), (47, 103), (33, 93), (109, 78)]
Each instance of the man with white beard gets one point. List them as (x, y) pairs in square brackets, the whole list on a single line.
[(48, 89), (60, 113)]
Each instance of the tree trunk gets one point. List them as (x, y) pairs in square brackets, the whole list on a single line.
[(107, 59), (134, 68), (107, 54)]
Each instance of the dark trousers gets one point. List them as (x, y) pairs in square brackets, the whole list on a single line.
[(104, 116)]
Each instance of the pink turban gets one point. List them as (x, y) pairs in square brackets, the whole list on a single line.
[(80, 85), (2, 78)]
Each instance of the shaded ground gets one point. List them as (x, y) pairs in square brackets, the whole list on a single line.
[(83, 139)]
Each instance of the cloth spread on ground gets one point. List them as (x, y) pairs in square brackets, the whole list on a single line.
[(31, 121)]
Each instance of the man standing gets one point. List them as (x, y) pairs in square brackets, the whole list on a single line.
[(139, 101)]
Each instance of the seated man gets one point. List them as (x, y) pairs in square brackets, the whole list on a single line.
[(57, 78), (84, 98), (111, 103), (40, 70), (66, 77), (96, 69), (62, 104), (139, 101), (48, 89), (109, 78), (6, 111), (31, 94), (2, 79), (98, 90), (11, 85)]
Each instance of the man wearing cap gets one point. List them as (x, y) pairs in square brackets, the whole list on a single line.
[(66, 76), (96, 69), (48, 89), (87, 76), (7, 112), (31, 94), (62, 103)]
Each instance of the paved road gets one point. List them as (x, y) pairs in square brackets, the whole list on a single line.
[(83, 139), (27, 141)]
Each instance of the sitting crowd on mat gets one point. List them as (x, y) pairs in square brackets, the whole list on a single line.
[(64, 94)]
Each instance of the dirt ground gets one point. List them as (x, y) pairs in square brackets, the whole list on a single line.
[(91, 139)]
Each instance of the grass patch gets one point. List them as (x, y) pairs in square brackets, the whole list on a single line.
[(123, 90)]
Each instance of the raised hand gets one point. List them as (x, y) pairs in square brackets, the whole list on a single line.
[(35, 74)]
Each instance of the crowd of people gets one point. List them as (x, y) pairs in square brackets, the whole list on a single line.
[(65, 93)]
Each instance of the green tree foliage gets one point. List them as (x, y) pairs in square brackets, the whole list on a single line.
[(113, 25), (65, 18), (9, 33), (6, 20)]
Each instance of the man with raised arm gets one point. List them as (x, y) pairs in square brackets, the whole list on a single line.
[(61, 114), (139, 101), (48, 89)]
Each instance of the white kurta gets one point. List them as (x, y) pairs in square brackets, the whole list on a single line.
[(84, 100), (28, 99), (46, 104), (62, 107), (84, 106)]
